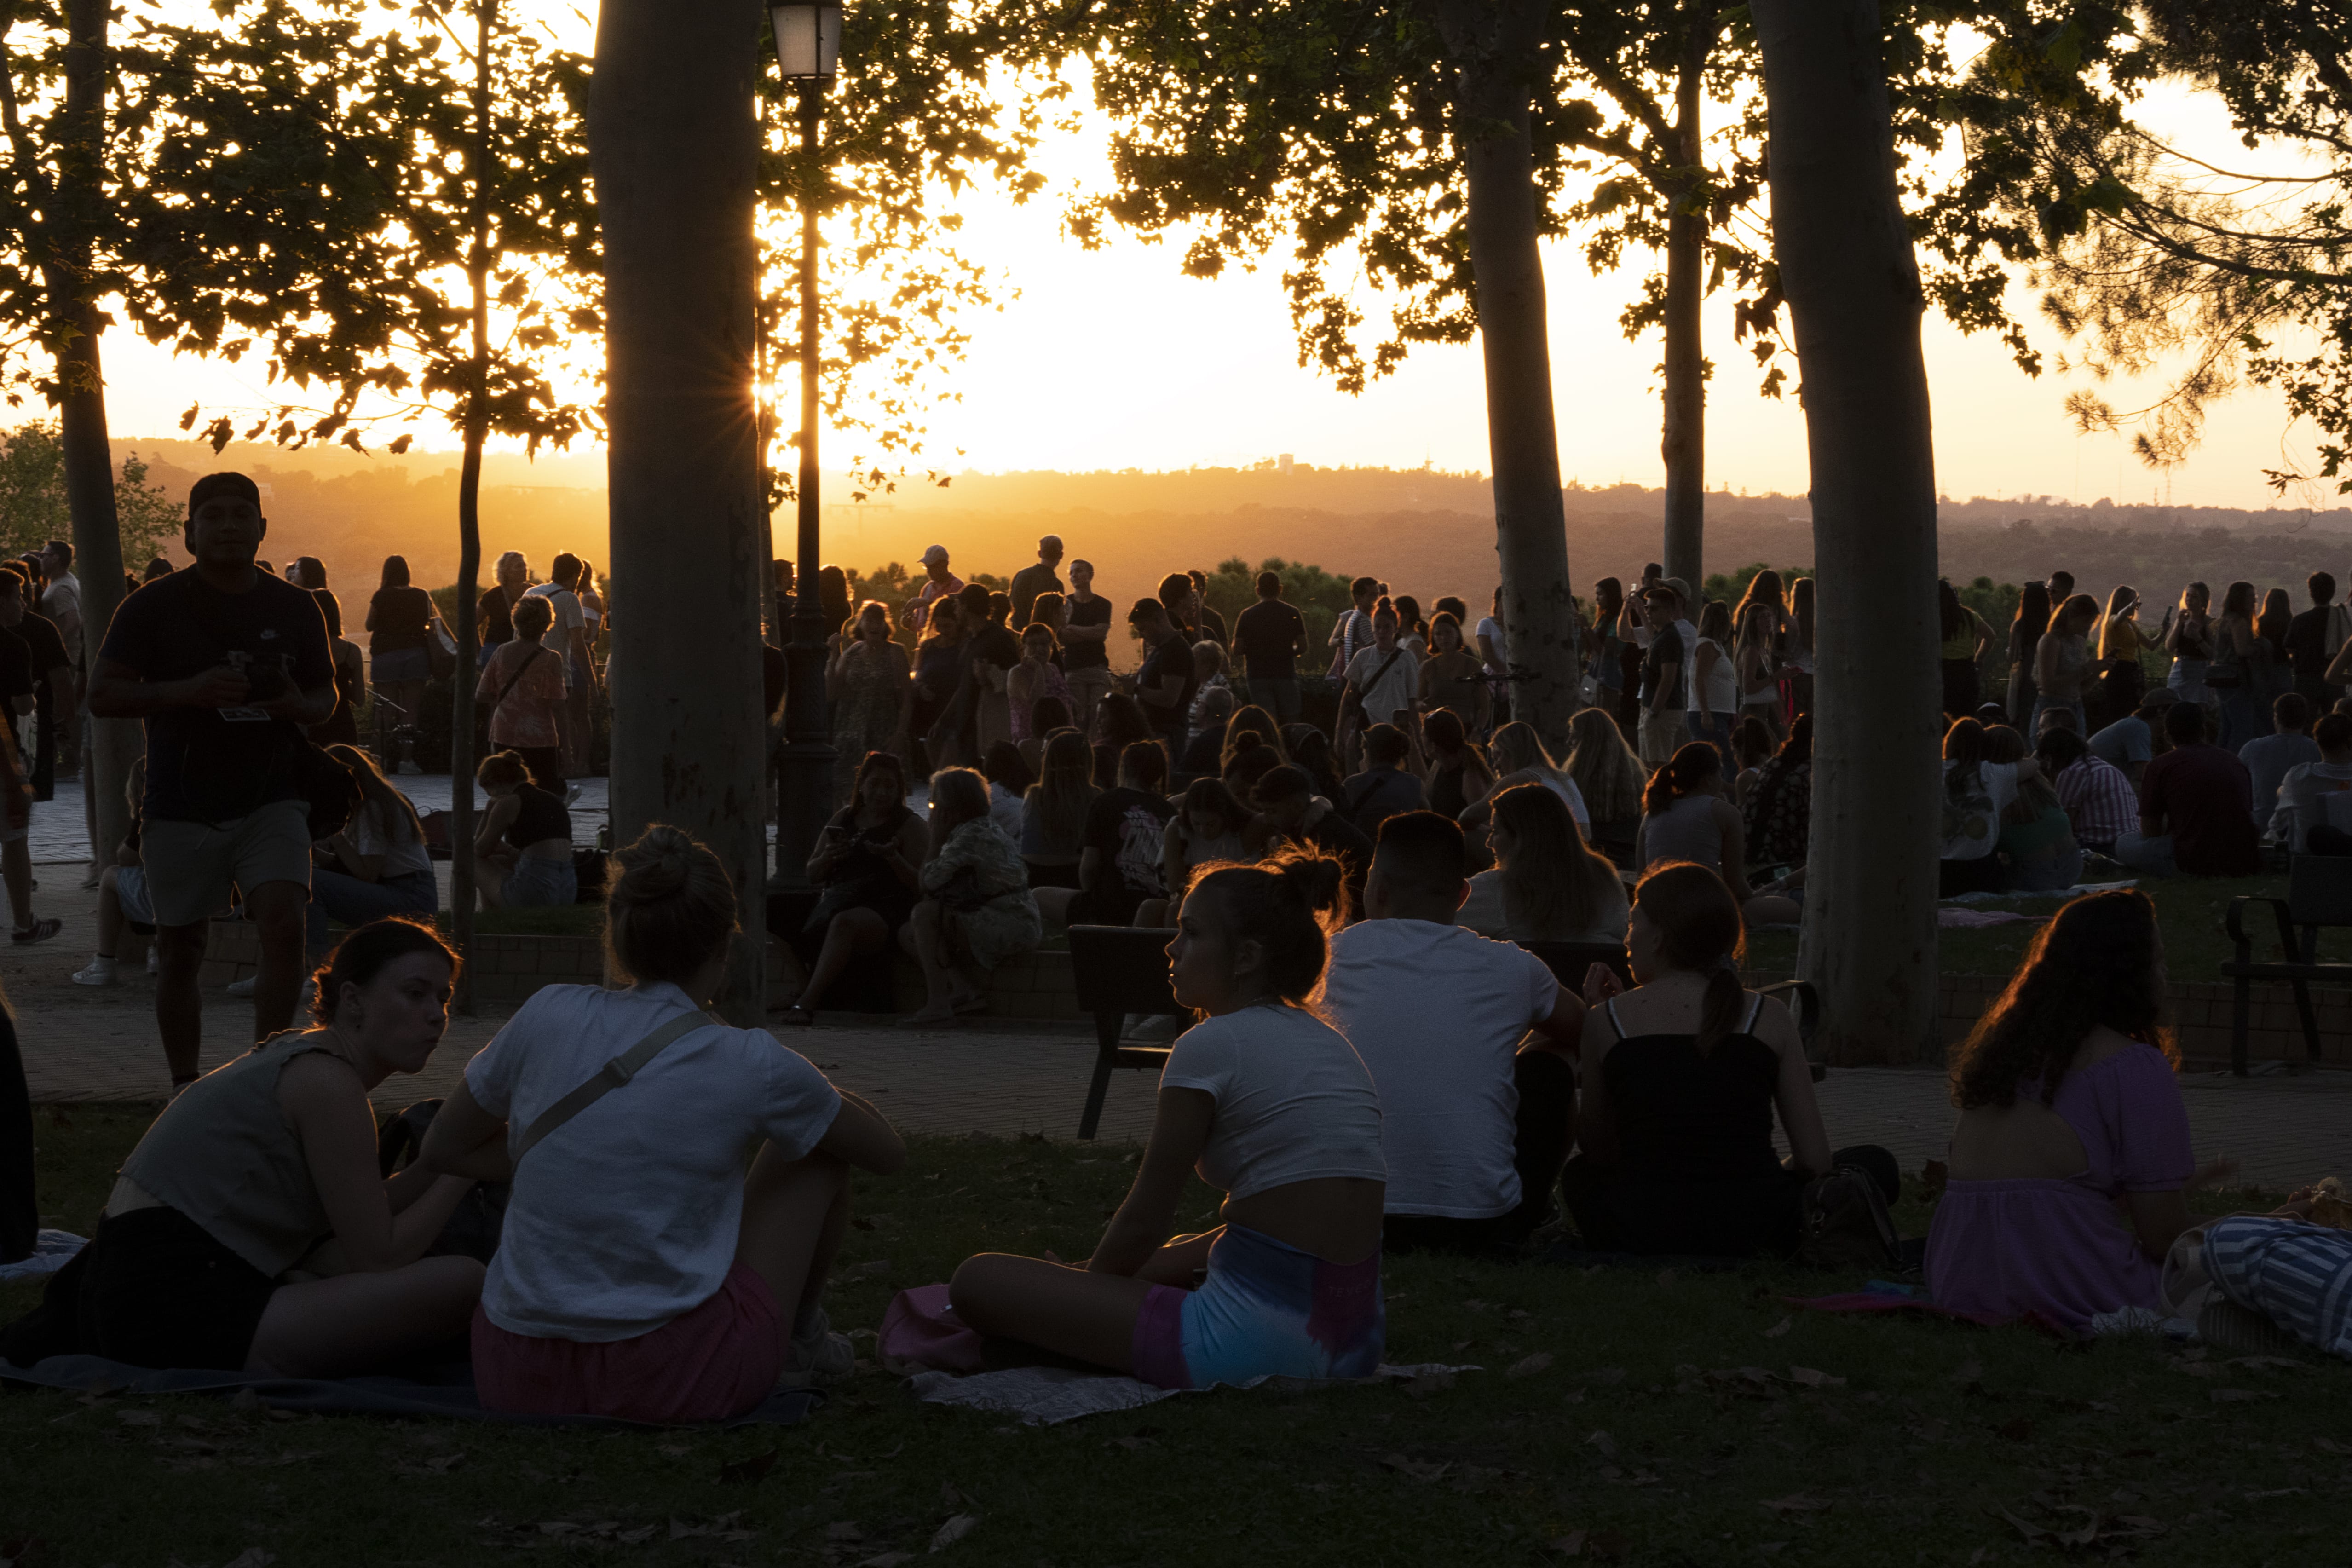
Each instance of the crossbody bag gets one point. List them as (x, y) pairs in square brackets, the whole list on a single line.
[(607, 1078)]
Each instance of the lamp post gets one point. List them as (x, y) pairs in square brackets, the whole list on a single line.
[(808, 48)]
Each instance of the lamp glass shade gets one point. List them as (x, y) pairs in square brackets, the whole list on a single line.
[(808, 39)]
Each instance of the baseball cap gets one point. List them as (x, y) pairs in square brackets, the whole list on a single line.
[(221, 484), (934, 552)]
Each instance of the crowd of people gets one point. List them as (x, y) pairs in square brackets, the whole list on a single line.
[(1443, 986)]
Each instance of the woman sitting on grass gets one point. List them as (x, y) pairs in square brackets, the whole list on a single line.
[(2070, 1122), (977, 910), (208, 1252), (1547, 884), (1272, 1104), (642, 1274), (1683, 1077)]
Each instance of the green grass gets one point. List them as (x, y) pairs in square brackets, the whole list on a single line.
[(1643, 1431), (2190, 909), (563, 919)]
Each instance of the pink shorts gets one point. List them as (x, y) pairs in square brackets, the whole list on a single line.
[(709, 1364)]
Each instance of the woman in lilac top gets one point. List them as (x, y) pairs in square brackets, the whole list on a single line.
[(2071, 1163)]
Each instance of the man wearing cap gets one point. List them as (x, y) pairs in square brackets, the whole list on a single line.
[(1041, 578), (1664, 670), (225, 664), (938, 583)]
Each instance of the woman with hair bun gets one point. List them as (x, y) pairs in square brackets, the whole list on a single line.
[(1269, 1102), (522, 851), (1684, 816), (251, 1228), (2071, 1162), (1683, 1076), (642, 1274)]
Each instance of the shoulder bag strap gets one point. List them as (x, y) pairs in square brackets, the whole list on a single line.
[(609, 1077), (516, 678)]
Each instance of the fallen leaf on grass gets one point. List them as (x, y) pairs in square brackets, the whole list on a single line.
[(251, 1557), (1528, 1367), (2025, 1528), (1600, 1544), (138, 1417), (2282, 1492), (1796, 1504), (1419, 1469), (638, 1536), (1806, 1377), (1569, 1545), (953, 1531), (886, 1560), (2241, 1395), (1783, 1327), (2329, 1446), (1602, 1441), (1423, 1385), (2017, 1431), (745, 1471), (675, 1450), (2081, 1535), (1132, 1444), (843, 1530), (2276, 1362)]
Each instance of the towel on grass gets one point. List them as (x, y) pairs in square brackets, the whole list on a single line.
[(1049, 1395), (449, 1394), (52, 1250)]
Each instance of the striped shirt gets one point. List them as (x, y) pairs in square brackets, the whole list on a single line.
[(2099, 801)]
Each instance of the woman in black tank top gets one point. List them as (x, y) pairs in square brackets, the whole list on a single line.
[(1682, 1078), (522, 850)]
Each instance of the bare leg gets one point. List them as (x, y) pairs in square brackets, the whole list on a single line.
[(490, 881), (179, 1010), (945, 988), (327, 1327), (851, 933), (278, 909), (795, 1213), (110, 915), (1053, 1306)]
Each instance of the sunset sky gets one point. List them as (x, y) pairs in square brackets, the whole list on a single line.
[(1112, 360)]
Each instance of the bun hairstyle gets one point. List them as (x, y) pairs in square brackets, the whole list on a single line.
[(502, 770), (671, 909), (1289, 904), (1690, 770), (361, 957), (1699, 931)]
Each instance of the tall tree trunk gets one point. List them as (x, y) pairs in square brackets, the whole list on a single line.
[(1491, 45), (470, 516), (1685, 443), (673, 137), (114, 744), (1853, 286)]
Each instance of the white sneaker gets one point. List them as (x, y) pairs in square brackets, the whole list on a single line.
[(819, 1358), (154, 958), (99, 972), (243, 987)]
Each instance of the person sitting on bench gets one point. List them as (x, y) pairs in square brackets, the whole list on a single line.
[(259, 1178), (1683, 1077), (1474, 1128), (642, 1274), (1269, 1102)]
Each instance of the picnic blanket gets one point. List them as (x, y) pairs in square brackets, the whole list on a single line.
[(1049, 1395), (52, 1250), (1951, 919), (448, 1392), (2076, 891)]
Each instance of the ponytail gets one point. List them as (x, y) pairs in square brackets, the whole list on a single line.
[(1689, 770), (1699, 931), (1289, 904)]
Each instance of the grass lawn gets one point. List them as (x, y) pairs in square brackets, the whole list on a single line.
[(1616, 1420), (2190, 909)]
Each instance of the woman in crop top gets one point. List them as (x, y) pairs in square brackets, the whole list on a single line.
[(1268, 1102), (1683, 1076), (251, 1228), (523, 855)]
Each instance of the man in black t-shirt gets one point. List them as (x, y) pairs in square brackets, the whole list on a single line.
[(1206, 622), (1271, 638), (1126, 832), (1165, 682), (1086, 653), (2312, 646), (1040, 578), (225, 664)]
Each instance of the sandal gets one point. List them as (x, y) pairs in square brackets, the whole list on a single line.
[(39, 930), (798, 1016)]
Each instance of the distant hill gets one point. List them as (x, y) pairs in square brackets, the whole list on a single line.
[(1422, 530)]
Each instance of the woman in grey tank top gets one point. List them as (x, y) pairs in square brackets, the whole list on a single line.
[(250, 1228), (1684, 817)]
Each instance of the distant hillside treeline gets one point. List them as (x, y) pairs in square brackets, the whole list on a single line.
[(1422, 530)]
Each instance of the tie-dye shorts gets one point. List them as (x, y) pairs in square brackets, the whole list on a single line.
[(1267, 1309)]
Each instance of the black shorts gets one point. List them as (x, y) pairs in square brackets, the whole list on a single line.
[(158, 1290)]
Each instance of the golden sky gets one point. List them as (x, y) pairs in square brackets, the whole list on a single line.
[(1112, 359)]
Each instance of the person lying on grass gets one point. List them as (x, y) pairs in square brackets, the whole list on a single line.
[(1269, 1102), (208, 1252), (1683, 1077), (2070, 1167), (642, 1274)]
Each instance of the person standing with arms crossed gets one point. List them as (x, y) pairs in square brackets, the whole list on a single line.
[(225, 664)]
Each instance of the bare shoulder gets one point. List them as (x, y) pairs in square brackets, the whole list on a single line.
[(1775, 1026)]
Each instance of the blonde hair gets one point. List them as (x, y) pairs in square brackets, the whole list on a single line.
[(671, 909), (1602, 767), (1553, 883)]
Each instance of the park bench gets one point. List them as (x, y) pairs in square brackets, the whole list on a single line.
[(1119, 970), (2319, 893)]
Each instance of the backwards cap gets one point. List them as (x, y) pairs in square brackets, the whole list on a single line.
[(221, 484)]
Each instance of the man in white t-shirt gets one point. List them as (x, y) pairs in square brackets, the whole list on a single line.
[(1475, 1129), (567, 637), (1382, 682)]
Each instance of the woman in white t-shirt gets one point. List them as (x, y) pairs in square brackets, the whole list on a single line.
[(641, 1274), (376, 865), (1977, 791), (1267, 1101)]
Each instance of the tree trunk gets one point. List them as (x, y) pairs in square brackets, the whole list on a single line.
[(469, 517), (114, 744), (1491, 45), (674, 143), (1853, 286), (1685, 443)]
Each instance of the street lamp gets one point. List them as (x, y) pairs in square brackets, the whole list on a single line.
[(808, 48)]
